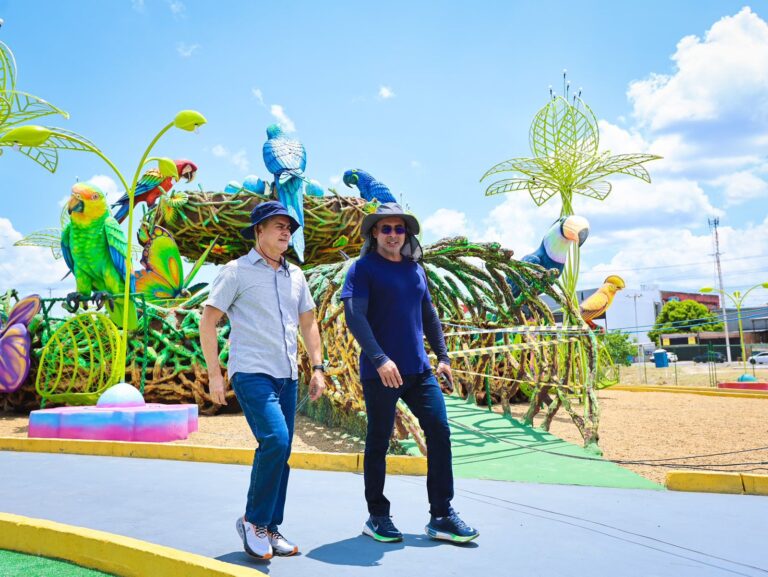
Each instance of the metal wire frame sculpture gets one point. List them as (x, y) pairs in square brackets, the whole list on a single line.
[(564, 138), (468, 282)]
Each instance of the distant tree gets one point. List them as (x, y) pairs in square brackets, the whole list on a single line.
[(620, 347), (683, 317)]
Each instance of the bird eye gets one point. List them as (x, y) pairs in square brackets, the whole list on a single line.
[(94, 196)]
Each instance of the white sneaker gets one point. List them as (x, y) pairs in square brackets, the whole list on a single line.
[(255, 540), (280, 545)]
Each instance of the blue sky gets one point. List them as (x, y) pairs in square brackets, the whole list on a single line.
[(425, 96)]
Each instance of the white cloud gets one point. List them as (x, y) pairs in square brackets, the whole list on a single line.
[(285, 123), (107, 185), (29, 269), (137, 5), (679, 257), (335, 180), (721, 76), (447, 222), (177, 7), (258, 95), (186, 50), (386, 93), (741, 186), (239, 158)]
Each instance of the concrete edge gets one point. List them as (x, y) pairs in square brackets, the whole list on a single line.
[(709, 482), (345, 462), (691, 391), (121, 556)]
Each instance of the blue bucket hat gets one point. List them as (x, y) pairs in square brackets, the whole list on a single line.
[(262, 212)]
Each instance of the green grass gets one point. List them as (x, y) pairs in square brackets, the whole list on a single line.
[(13, 564)]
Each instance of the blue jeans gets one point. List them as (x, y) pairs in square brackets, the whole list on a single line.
[(422, 394), (269, 406)]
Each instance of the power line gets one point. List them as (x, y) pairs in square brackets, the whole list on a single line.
[(679, 265)]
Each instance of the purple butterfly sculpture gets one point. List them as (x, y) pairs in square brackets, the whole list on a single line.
[(15, 344)]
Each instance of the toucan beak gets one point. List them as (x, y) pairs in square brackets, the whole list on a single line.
[(75, 205), (583, 234)]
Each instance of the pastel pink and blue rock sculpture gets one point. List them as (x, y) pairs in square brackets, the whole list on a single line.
[(120, 415)]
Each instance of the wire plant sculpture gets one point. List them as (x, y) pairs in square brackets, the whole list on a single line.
[(564, 138)]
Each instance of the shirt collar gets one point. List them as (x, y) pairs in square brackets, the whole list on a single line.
[(254, 257)]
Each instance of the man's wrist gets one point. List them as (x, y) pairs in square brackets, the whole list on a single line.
[(319, 367)]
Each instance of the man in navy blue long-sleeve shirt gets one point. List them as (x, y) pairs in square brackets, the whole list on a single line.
[(389, 311)]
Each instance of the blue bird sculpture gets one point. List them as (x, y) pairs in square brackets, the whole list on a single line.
[(286, 159), (553, 250), (369, 187)]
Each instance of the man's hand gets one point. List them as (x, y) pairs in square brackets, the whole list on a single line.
[(446, 384), (389, 374), (316, 385), (216, 388)]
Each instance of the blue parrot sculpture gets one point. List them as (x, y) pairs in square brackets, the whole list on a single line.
[(553, 250), (286, 159), (369, 187)]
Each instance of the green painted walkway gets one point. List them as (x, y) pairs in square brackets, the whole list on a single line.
[(487, 445)]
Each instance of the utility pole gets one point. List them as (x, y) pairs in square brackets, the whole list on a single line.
[(713, 224)]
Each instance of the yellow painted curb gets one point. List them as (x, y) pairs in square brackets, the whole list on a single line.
[(691, 391), (708, 482), (755, 484), (121, 556), (349, 462)]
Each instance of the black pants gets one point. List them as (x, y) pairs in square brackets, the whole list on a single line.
[(423, 396)]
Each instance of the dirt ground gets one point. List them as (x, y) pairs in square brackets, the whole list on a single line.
[(633, 426)]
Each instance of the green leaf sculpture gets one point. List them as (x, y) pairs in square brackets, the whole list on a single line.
[(564, 138)]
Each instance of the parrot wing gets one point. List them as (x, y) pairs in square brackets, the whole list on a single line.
[(381, 192), (531, 258), (594, 306), (117, 247), (283, 154), (150, 180), (66, 249)]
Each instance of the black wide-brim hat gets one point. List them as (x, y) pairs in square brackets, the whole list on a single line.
[(387, 210), (262, 212)]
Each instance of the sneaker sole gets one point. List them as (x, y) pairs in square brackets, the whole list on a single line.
[(285, 554), (440, 536), (380, 538), (248, 550)]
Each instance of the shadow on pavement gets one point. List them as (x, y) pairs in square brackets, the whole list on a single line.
[(363, 551)]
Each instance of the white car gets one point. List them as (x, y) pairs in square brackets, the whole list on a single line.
[(759, 358)]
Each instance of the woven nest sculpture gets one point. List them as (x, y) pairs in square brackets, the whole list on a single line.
[(499, 344), (331, 224)]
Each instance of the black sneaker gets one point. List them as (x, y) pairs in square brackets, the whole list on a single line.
[(382, 529), (450, 528)]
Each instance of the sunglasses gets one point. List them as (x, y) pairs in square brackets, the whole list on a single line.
[(388, 228)]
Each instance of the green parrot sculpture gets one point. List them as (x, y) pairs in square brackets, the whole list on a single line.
[(94, 248)]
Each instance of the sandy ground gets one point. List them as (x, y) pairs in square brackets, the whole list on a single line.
[(633, 426)]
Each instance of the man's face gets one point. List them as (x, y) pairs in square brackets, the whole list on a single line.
[(390, 235), (274, 234)]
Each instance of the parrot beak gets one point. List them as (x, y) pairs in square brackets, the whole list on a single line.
[(350, 179), (188, 172), (75, 205)]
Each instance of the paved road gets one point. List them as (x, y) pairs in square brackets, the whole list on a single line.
[(526, 529)]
